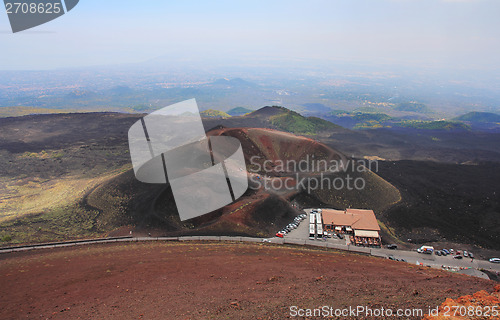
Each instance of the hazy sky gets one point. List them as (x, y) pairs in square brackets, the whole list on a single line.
[(462, 33)]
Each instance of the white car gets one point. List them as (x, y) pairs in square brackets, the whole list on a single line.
[(495, 260)]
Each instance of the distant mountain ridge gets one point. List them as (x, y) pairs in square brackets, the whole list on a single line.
[(239, 111), (476, 116), (379, 120)]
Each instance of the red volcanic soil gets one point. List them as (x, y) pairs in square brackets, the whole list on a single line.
[(211, 280), (480, 305)]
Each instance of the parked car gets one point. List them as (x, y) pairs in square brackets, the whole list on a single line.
[(466, 254), (391, 257), (438, 253), (457, 257), (392, 246), (452, 251), (495, 260), (279, 235), (471, 255), (446, 252), (425, 249)]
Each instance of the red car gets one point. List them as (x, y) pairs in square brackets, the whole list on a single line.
[(279, 235)]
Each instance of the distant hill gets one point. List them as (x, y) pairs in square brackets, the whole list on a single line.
[(434, 125), (239, 111), (294, 122), (211, 113), (373, 120), (268, 111), (476, 116), (371, 116), (412, 107), (278, 118), (360, 120)]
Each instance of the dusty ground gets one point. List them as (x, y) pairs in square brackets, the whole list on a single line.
[(211, 280)]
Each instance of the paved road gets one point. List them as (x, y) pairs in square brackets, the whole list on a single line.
[(299, 236), (434, 260)]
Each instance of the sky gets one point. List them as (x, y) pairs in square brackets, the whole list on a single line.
[(429, 33)]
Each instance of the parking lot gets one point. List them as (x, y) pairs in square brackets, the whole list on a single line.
[(302, 233)]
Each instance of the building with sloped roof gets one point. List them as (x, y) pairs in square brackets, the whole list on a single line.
[(360, 223)]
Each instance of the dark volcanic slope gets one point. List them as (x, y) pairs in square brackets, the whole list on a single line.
[(54, 131), (459, 203), (281, 147), (48, 146)]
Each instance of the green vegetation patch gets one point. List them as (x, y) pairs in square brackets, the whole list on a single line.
[(59, 224), (293, 122), (379, 117), (435, 125), (211, 113)]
